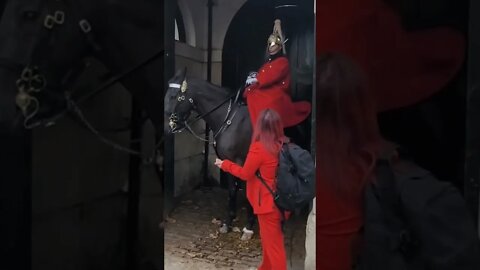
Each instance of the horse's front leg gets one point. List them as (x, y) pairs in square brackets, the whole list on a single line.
[(232, 204)]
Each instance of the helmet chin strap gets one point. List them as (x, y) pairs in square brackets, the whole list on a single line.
[(276, 51)]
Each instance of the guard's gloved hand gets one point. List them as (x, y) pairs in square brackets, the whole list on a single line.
[(251, 79)]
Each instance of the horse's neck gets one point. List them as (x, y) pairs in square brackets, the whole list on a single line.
[(135, 31), (135, 35), (207, 97)]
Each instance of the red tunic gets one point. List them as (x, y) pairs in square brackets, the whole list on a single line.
[(273, 91)]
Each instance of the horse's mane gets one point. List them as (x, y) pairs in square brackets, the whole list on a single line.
[(205, 85)]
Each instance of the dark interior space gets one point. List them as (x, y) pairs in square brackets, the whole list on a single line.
[(433, 131), (245, 50)]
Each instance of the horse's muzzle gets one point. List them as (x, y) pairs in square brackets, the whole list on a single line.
[(172, 123)]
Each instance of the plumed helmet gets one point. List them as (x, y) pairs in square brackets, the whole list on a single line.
[(276, 38)]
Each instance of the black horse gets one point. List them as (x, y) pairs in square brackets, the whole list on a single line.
[(228, 119), (44, 46)]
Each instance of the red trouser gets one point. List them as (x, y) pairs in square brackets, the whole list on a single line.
[(274, 257)]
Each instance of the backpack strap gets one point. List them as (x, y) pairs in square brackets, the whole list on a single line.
[(286, 150), (385, 185), (385, 189), (266, 185), (274, 195)]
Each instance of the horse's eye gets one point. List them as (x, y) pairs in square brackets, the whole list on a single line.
[(30, 14)]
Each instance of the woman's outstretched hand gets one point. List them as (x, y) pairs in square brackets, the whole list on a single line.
[(218, 163)]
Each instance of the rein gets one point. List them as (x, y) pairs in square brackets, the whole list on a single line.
[(146, 160), (111, 81)]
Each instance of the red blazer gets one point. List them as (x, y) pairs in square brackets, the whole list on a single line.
[(273, 91), (257, 194)]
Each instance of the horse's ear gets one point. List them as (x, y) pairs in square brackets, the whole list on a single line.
[(179, 73)]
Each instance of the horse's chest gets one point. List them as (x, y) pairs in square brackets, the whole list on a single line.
[(231, 148)]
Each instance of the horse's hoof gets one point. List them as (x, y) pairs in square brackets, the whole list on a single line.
[(247, 234), (224, 228)]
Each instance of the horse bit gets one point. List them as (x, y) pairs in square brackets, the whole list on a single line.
[(173, 117)]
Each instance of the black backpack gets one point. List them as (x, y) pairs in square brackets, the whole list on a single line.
[(412, 221), (295, 183)]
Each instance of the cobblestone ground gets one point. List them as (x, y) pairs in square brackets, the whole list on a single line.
[(192, 239)]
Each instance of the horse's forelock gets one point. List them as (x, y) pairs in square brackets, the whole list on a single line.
[(202, 86), (180, 74), (169, 99)]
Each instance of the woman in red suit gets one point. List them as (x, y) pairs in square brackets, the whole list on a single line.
[(402, 68), (271, 87), (348, 143), (268, 138)]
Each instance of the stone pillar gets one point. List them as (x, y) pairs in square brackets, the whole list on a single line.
[(310, 239)]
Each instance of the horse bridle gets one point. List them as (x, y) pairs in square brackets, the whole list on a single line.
[(173, 119), (31, 79), (181, 97)]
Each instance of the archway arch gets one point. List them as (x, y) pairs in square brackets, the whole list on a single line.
[(244, 51), (180, 34), (187, 22)]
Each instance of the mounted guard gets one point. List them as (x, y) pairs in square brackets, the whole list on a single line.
[(270, 86)]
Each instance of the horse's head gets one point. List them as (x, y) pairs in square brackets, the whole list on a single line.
[(178, 102), (40, 41)]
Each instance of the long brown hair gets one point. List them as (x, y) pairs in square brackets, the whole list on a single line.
[(348, 137), (269, 131)]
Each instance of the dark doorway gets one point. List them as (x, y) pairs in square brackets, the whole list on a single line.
[(244, 48), (245, 42), (433, 131)]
